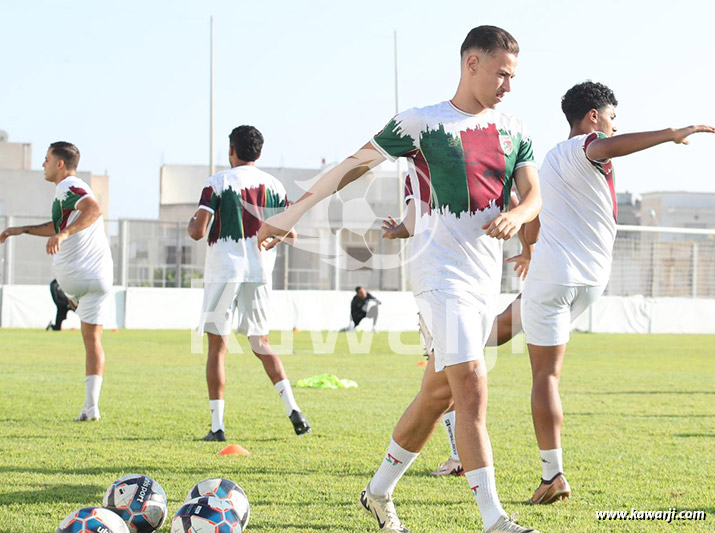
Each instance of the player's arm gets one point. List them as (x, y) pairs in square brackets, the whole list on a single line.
[(278, 226), (507, 224), (531, 231), (199, 223), (41, 230), (89, 212), (628, 143)]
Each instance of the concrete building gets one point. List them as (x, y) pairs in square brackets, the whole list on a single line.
[(678, 209)]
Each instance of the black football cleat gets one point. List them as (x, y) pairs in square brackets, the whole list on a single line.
[(300, 424), (218, 436)]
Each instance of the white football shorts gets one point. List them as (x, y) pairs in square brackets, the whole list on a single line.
[(249, 302), (94, 297), (547, 310), (458, 324)]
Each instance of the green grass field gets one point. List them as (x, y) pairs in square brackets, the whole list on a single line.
[(639, 433)]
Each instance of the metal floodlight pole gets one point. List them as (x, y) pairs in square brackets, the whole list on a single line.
[(212, 167), (400, 203)]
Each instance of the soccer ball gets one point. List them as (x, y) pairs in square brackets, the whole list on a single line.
[(92, 520), (224, 489), (139, 500), (206, 515)]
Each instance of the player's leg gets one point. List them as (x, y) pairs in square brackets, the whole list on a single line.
[(216, 319), (94, 370), (547, 310), (452, 466), (253, 303), (507, 324), (216, 383), (94, 299), (469, 320), (412, 432)]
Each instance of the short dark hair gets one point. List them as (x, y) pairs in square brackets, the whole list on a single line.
[(490, 39), (358, 288), (67, 152), (247, 143), (581, 98)]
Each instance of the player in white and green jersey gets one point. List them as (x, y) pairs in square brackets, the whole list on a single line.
[(82, 260), (571, 263), (238, 276), (464, 156)]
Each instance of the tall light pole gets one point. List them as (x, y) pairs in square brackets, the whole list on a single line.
[(212, 166), (400, 203)]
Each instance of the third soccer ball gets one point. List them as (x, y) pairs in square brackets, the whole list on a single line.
[(139, 500), (224, 489)]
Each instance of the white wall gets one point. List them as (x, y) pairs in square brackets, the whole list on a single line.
[(31, 306)]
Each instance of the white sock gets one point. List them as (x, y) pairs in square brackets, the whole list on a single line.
[(449, 427), (552, 463), (92, 388), (217, 407), (397, 461), (484, 487), (286, 393)]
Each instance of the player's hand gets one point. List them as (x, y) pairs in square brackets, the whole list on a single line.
[(277, 227), (680, 136), (504, 226), (10, 232), (270, 235), (521, 264), (54, 242), (391, 229)]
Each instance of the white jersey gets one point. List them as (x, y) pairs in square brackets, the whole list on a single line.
[(85, 254), (578, 217), (461, 173), (240, 199)]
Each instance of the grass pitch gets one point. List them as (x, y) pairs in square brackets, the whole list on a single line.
[(639, 432)]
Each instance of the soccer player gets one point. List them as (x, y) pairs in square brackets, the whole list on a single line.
[(237, 275), (82, 260), (464, 156), (571, 263), (505, 327)]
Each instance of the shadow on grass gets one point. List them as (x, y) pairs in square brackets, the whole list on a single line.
[(631, 415), (695, 435), (616, 393), (75, 494)]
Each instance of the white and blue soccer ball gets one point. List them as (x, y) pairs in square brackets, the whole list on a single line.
[(139, 501), (224, 489), (206, 515), (92, 520)]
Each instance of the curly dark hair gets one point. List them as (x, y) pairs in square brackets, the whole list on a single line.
[(581, 98), (247, 143)]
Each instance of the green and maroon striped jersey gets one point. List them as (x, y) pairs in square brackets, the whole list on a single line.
[(461, 174), (240, 199)]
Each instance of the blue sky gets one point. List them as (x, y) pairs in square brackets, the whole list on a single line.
[(128, 82)]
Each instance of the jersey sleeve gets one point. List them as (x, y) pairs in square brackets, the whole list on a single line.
[(209, 199), (525, 153), (588, 140), (399, 137), (276, 199), (73, 195)]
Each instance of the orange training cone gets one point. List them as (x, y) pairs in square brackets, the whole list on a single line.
[(421, 363), (234, 449)]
